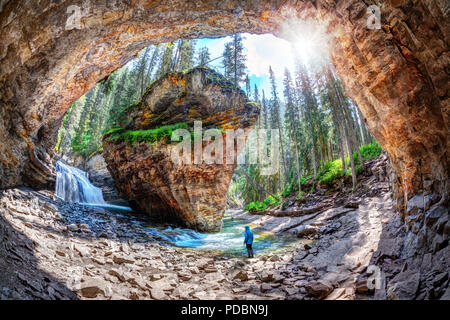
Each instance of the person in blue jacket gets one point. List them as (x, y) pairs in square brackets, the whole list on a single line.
[(248, 241)]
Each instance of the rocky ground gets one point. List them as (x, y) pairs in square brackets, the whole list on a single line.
[(48, 252)]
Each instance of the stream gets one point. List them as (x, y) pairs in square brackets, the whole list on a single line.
[(88, 207)]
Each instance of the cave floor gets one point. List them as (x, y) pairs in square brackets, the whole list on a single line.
[(46, 257)]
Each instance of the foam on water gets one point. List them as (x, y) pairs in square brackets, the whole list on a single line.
[(73, 185)]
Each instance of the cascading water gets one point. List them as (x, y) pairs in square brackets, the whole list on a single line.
[(73, 185)]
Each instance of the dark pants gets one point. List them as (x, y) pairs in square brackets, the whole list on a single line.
[(249, 250)]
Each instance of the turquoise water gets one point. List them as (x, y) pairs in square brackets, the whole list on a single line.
[(230, 240), (130, 225)]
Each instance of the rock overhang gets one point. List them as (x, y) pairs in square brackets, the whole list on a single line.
[(140, 155), (397, 75)]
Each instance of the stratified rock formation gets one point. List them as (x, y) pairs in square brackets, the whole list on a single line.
[(52, 52), (139, 155)]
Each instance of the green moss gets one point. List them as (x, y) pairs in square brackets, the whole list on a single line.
[(331, 171), (253, 104), (293, 185), (152, 135)]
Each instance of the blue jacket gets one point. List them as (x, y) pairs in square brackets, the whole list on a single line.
[(248, 235)]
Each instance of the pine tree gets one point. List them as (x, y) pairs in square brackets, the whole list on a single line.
[(256, 94), (141, 69), (165, 65), (247, 86), (184, 58), (203, 57), (307, 97), (228, 61), (152, 64), (292, 120), (275, 115), (234, 61)]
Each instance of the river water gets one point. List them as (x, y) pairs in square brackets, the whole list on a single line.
[(73, 186)]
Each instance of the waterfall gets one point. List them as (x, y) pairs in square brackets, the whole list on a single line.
[(73, 185)]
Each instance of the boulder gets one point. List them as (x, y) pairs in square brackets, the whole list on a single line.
[(404, 286), (92, 287), (319, 289), (139, 154)]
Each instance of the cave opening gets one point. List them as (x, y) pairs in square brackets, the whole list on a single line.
[(394, 69)]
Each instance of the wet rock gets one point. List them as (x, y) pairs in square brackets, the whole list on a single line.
[(330, 228)]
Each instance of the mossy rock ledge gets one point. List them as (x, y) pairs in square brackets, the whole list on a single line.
[(138, 155)]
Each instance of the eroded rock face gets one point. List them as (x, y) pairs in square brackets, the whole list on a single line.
[(193, 194), (397, 75)]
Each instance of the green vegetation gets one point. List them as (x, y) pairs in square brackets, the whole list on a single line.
[(368, 152), (268, 202), (152, 135), (316, 124), (293, 186), (256, 206), (300, 196), (333, 169)]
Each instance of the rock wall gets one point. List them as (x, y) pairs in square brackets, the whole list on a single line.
[(143, 169), (397, 75)]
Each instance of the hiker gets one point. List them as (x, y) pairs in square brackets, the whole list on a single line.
[(248, 241)]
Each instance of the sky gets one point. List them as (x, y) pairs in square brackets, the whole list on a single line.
[(262, 51)]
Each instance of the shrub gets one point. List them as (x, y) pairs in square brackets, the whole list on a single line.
[(256, 206), (332, 171), (293, 185), (271, 201), (300, 196), (368, 152)]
